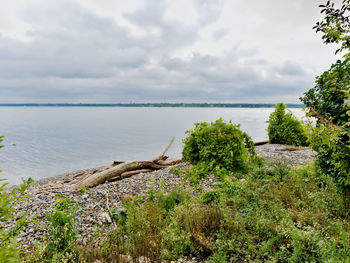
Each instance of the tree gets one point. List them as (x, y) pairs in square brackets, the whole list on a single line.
[(336, 25), (328, 101)]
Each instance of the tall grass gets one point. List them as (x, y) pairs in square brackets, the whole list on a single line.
[(274, 214)]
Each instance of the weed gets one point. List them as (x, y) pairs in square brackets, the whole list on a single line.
[(176, 171), (61, 245)]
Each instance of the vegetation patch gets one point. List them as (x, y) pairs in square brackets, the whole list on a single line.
[(329, 100), (275, 214), (285, 128), (219, 145), (9, 246)]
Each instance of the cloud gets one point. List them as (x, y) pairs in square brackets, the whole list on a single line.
[(290, 68), (220, 33), (74, 55), (164, 35), (209, 11)]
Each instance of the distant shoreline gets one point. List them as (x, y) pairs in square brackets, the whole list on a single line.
[(157, 105)]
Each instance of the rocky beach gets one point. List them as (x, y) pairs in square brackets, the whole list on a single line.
[(94, 203)]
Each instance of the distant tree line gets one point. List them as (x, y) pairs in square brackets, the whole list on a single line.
[(162, 104)]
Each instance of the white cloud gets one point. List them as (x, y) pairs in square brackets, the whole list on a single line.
[(199, 50)]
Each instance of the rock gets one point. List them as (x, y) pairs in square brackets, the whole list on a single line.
[(144, 260), (105, 218), (91, 208)]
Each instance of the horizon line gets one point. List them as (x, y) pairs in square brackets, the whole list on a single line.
[(153, 104)]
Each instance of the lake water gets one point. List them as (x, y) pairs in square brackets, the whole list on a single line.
[(46, 141)]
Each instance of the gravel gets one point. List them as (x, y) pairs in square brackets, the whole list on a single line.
[(92, 203)]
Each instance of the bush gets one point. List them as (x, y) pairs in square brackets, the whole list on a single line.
[(219, 145), (61, 245), (284, 128), (333, 153), (329, 100), (9, 247), (328, 103)]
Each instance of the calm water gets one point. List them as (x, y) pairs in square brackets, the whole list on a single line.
[(46, 141)]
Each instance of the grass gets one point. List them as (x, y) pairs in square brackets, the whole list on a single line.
[(272, 214)]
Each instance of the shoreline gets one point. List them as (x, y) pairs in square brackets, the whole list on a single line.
[(269, 151), (92, 201)]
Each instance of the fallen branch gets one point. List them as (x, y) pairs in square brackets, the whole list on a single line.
[(166, 148), (260, 143), (120, 170), (126, 169), (170, 162), (129, 174)]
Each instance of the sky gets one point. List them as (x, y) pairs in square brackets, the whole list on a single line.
[(117, 51)]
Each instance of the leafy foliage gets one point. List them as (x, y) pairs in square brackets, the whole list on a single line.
[(329, 101), (333, 153), (219, 145), (276, 214), (336, 24), (284, 128), (62, 238), (9, 246)]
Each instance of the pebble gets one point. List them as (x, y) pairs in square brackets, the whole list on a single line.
[(92, 202)]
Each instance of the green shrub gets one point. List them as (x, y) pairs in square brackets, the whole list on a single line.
[(327, 102), (219, 145), (119, 216), (61, 245), (175, 171), (195, 173), (333, 153), (170, 200), (211, 197), (284, 128), (144, 229), (9, 246), (195, 225)]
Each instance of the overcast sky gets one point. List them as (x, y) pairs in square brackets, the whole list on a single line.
[(107, 51)]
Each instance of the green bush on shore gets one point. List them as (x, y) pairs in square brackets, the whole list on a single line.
[(219, 145), (285, 128)]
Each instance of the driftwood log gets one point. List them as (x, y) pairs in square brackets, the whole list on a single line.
[(120, 170), (260, 143)]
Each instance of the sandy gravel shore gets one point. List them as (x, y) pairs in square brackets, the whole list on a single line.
[(93, 202)]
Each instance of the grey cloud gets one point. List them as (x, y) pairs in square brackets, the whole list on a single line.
[(78, 45), (208, 78), (76, 56), (256, 61), (290, 68), (173, 34), (220, 33), (208, 10), (172, 63)]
